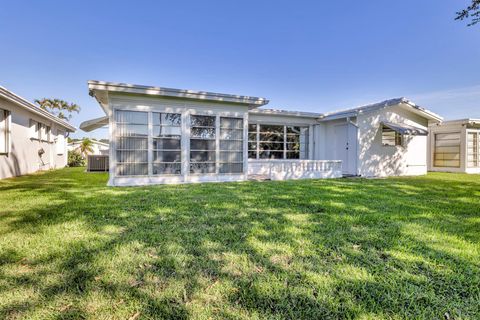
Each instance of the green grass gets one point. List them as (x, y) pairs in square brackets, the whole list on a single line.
[(398, 248)]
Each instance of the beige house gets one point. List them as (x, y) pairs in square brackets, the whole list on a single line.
[(31, 139), (164, 135), (455, 146)]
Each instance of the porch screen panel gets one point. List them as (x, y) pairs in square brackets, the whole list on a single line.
[(271, 142), (202, 144), (167, 143), (277, 142), (447, 150), (231, 145), (131, 137), (297, 143), (473, 149)]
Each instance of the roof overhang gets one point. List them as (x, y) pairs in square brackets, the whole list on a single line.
[(405, 129), (100, 90), (21, 102), (403, 102), (275, 112), (93, 124)]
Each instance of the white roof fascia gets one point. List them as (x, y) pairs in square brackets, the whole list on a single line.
[(94, 85), (19, 101), (275, 112)]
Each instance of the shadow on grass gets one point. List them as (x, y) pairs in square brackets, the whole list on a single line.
[(398, 248)]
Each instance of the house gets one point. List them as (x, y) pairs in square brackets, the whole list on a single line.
[(31, 139), (164, 135), (98, 147), (455, 146)]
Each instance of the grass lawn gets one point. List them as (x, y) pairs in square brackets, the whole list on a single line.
[(397, 248)]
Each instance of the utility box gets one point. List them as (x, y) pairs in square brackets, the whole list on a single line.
[(97, 163)]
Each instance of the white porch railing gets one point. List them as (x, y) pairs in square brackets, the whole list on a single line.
[(295, 169)]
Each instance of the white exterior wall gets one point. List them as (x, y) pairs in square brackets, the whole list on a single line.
[(376, 160), (454, 127), (23, 157), (186, 108)]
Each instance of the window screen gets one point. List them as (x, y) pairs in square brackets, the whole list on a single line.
[(231, 145), (391, 137), (447, 150), (473, 149), (167, 143), (4, 131), (202, 144), (131, 143)]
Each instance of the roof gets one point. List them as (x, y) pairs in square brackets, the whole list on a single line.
[(406, 129), (21, 102), (377, 106), (286, 113), (467, 121), (94, 85), (92, 140)]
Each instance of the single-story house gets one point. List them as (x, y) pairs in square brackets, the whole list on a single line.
[(98, 147), (164, 135), (31, 139), (455, 146)]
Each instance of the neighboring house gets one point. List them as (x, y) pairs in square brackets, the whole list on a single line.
[(455, 146), (99, 148), (31, 139), (163, 135)]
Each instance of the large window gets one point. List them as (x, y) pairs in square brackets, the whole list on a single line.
[(447, 150), (4, 131), (167, 143), (473, 149), (391, 137), (131, 143), (277, 142), (231, 145), (202, 144)]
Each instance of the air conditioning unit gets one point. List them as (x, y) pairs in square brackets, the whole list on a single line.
[(97, 163)]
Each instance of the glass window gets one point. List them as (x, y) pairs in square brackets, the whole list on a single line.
[(447, 150), (4, 135), (391, 137), (202, 144), (167, 143), (473, 149), (131, 136), (231, 145), (277, 142)]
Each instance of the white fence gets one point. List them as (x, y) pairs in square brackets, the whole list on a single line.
[(295, 169)]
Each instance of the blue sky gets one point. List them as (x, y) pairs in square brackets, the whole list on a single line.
[(302, 55)]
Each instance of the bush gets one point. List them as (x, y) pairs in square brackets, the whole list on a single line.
[(75, 159)]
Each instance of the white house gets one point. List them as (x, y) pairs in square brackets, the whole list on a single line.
[(98, 147), (164, 135), (455, 146), (31, 139)]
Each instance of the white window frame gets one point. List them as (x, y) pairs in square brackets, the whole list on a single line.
[(6, 127)]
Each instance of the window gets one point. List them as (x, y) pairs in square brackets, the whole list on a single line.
[(48, 131), (131, 143), (4, 131), (202, 144), (447, 150), (231, 145), (277, 142), (167, 142), (473, 149), (390, 137), (60, 146)]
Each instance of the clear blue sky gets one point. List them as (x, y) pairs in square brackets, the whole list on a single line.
[(302, 55)]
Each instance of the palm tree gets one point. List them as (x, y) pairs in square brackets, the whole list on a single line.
[(59, 108), (86, 147)]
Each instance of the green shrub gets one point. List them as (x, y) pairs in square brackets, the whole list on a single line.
[(75, 159)]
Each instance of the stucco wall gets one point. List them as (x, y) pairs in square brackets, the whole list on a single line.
[(23, 157), (376, 160)]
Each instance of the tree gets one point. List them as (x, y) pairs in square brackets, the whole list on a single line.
[(472, 12), (59, 108), (86, 147)]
